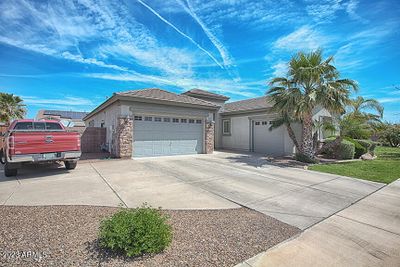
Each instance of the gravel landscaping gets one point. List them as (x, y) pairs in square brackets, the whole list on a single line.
[(67, 236)]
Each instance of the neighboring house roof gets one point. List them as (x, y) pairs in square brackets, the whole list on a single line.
[(248, 105), (154, 95), (74, 115), (199, 92)]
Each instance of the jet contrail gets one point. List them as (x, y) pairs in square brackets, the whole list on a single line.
[(223, 52), (181, 33)]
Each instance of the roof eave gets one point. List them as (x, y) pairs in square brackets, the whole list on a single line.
[(225, 98), (100, 107), (117, 97), (165, 102), (245, 111)]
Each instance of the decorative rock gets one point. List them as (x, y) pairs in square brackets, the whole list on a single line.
[(367, 156)]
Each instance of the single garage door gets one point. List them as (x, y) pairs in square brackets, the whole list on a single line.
[(163, 136), (266, 141)]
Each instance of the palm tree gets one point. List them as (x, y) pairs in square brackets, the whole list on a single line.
[(357, 108), (311, 82), (285, 119), (11, 107)]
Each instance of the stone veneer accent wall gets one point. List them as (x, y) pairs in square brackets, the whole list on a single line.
[(209, 137), (123, 137)]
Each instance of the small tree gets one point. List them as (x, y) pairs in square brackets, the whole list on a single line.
[(11, 107), (391, 135), (359, 107)]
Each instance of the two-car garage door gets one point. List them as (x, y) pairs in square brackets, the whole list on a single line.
[(163, 136)]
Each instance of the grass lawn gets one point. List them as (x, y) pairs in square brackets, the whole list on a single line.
[(384, 169)]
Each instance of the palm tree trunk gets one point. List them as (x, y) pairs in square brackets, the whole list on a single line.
[(307, 140), (315, 141), (293, 137)]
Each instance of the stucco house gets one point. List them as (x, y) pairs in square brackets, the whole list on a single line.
[(155, 122)]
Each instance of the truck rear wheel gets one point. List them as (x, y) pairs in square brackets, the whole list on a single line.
[(8, 171), (2, 157), (70, 165)]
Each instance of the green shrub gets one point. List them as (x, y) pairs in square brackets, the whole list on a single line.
[(358, 148), (328, 149), (304, 158), (344, 150), (135, 232), (369, 145), (372, 148), (365, 143)]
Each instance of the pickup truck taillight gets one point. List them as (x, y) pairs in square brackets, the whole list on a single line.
[(79, 143), (11, 145)]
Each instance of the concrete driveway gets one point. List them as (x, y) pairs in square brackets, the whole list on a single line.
[(298, 197), (222, 180)]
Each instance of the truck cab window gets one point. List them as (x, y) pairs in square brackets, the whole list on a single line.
[(23, 126), (39, 126), (53, 126)]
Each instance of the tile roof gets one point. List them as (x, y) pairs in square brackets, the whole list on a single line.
[(74, 115), (158, 94), (247, 105), (205, 93)]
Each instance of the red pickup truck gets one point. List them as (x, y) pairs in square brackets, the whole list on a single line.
[(28, 141)]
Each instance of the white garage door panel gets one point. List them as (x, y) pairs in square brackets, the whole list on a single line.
[(266, 141), (166, 138)]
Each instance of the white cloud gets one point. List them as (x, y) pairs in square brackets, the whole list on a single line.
[(221, 85), (226, 57), (325, 11), (351, 10), (249, 14), (61, 103), (280, 69), (306, 38), (389, 100), (60, 29), (180, 32), (167, 60), (353, 54), (91, 61), (68, 101)]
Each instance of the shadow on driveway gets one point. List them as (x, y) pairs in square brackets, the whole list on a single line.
[(30, 171), (260, 160)]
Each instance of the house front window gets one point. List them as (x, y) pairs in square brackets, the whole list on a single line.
[(226, 127)]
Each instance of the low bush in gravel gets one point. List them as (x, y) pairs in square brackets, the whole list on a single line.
[(135, 232)]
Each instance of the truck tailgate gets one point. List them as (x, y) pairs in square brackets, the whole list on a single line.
[(45, 142)]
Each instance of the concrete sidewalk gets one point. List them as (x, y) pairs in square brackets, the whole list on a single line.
[(365, 234)]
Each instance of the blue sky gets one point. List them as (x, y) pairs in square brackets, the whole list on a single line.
[(71, 55)]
